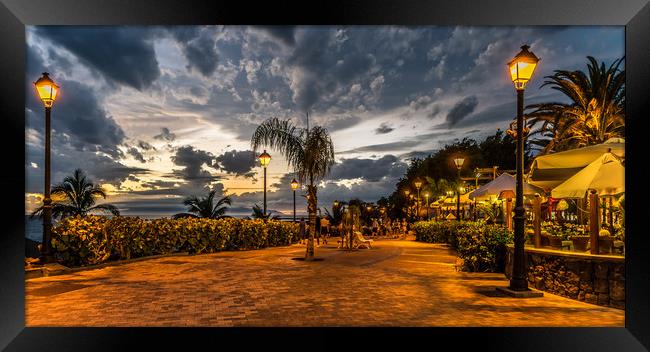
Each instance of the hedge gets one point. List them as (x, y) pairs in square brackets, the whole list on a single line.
[(79, 241), (481, 246)]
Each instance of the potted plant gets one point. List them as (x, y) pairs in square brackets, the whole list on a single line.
[(605, 240), (580, 242)]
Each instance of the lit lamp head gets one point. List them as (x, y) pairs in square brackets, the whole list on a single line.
[(265, 159), (461, 189), (426, 195), (407, 192), (417, 183), (459, 162), (522, 67), (336, 203), (47, 89), (294, 184)]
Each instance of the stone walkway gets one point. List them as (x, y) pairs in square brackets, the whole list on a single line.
[(397, 283)]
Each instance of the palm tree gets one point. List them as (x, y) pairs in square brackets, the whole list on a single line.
[(204, 207), (79, 198), (336, 215), (309, 151), (258, 213), (595, 113)]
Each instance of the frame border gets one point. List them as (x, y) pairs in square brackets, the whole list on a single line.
[(15, 14)]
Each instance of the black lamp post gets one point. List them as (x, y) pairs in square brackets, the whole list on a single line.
[(294, 187), (265, 159), (47, 91), (521, 70), (408, 204), (418, 185), (426, 196), (459, 164), (478, 174)]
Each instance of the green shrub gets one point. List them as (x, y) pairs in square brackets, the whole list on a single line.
[(91, 240), (481, 246)]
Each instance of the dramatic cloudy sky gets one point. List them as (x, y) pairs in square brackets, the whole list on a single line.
[(158, 113)]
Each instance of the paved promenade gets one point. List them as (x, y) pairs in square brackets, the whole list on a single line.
[(397, 283)]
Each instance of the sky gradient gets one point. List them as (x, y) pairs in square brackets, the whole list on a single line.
[(155, 114)]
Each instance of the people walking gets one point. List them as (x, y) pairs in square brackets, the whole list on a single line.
[(302, 234)]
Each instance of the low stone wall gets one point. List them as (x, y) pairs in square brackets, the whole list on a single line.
[(596, 279)]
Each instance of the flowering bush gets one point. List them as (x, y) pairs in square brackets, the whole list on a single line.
[(564, 231), (481, 246), (95, 239)]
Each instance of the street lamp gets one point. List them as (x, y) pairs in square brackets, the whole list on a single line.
[(521, 69), (294, 187), (47, 92), (418, 184), (265, 159), (407, 192), (478, 174), (426, 196), (459, 164)]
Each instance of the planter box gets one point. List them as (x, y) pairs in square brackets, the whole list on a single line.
[(580, 243), (605, 244), (555, 241)]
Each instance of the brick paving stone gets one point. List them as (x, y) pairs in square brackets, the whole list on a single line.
[(397, 283)]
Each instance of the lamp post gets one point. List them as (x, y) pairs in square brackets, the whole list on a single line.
[(418, 184), (478, 174), (47, 92), (459, 164), (521, 69), (426, 196), (406, 193), (294, 187), (265, 159)]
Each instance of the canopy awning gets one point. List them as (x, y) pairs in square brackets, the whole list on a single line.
[(548, 171), (505, 182), (606, 175)]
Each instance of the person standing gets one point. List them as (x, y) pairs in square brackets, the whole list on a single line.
[(325, 229), (302, 230)]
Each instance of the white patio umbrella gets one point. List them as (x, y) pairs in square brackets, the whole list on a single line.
[(505, 182), (606, 175), (550, 170)]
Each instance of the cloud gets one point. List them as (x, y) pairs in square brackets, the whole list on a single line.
[(368, 169), (77, 112), (134, 152), (384, 128), (462, 108), (237, 162), (198, 45), (401, 145), (192, 161), (285, 34), (165, 135), (122, 54)]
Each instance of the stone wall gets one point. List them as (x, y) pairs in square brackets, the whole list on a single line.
[(592, 279)]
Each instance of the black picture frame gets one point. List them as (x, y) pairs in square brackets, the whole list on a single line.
[(15, 14)]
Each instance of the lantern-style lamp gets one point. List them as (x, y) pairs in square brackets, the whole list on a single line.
[(522, 67), (294, 184), (459, 162), (47, 89), (265, 159), (417, 183)]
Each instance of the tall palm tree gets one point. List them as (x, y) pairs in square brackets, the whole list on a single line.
[(204, 207), (79, 194), (595, 113), (309, 151), (336, 215)]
